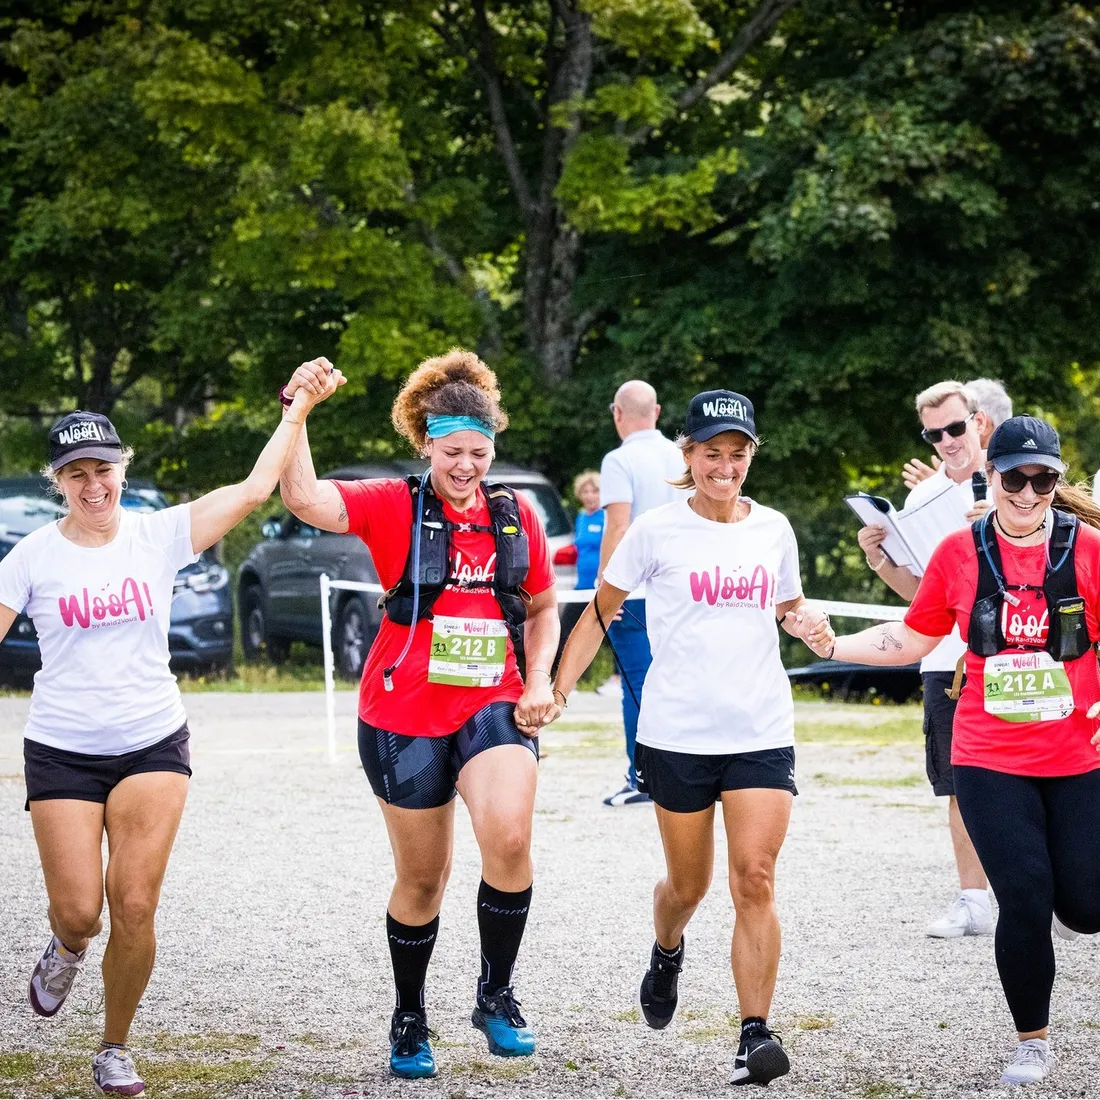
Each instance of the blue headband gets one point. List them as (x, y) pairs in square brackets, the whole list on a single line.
[(448, 425)]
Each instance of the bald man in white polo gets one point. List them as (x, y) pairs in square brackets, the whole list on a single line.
[(633, 479)]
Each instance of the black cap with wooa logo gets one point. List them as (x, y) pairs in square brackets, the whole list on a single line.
[(83, 435), (719, 411), (1025, 441)]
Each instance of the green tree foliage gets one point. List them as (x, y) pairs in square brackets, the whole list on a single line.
[(827, 204)]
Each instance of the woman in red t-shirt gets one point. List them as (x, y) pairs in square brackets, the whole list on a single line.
[(442, 706), (1025, 743)]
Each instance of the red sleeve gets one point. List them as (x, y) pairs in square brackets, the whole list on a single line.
[(932, 611), (540, 573), (380, 513)]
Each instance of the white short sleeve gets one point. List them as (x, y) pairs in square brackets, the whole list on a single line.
[(170, 530), (616, 486), (633, 561), (15, 577), (789, 582)]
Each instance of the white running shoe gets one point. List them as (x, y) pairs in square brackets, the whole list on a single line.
[(53, 977), (1061, 931), (964, 918), (1033, 1063), (114, 1073)]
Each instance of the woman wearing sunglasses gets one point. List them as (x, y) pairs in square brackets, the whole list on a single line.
[(1023, 586)]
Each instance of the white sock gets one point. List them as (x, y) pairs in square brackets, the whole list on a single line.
[(978, 897), (1044, 1045)]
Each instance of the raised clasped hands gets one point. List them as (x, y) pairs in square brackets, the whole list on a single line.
[(313, 382)]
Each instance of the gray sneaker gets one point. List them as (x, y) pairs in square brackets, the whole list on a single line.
[(1032, 1063), (114, 1073), (53, 977)]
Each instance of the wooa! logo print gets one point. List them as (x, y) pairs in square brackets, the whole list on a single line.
[(80, 433), (725, 407), (467, 575), (741, 590), (88, 610)]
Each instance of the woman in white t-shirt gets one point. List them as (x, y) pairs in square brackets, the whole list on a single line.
[(106, 741), (717, 719)]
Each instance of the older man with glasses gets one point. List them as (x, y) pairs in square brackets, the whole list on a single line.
[(954, 425), (634, 478)]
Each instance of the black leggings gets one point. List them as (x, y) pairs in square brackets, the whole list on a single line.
[(1039, 842)]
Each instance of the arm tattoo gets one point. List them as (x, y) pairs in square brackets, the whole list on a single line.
[(343, 512), (887, 640)]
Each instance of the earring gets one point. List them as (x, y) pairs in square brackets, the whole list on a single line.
[(125, 483)]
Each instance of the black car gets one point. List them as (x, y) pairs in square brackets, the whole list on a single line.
[(279, 589), (200, 634), (845, 681)]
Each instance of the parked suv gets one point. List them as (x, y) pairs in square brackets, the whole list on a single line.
[(279, 591), (200, 633)]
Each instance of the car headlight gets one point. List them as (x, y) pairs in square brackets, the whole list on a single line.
[(213, 577)]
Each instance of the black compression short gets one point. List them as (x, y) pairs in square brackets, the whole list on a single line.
[(419, 773)]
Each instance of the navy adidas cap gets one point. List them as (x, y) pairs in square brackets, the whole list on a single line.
[(1025, 441)]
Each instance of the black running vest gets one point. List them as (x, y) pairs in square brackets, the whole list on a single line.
[(512, 561), (1067, 635)]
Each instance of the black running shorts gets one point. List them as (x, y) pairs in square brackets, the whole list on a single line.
[(687, 782), (419, 773), (57, 773), (939, 717)]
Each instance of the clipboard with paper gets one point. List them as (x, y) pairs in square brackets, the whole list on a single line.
[(913, 533)]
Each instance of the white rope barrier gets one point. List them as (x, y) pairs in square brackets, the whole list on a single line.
[(877, 612)]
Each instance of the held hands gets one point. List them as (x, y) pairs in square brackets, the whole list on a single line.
[(536, 707), (812, 627), (915, 471), (312, 383)]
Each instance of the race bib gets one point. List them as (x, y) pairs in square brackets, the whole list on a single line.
[(1027, 687), (467, 652)]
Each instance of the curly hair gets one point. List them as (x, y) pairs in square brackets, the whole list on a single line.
[(455, 384)]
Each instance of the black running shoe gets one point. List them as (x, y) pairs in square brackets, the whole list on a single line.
[(658, 992), (760, 1058)]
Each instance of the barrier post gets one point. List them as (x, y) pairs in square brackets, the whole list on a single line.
[(330, 679)]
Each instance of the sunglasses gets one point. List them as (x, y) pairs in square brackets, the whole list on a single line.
[(934, 435), (1014, 481)]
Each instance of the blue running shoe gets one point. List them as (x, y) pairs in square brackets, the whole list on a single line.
[(410, 1049), (498, 1016)]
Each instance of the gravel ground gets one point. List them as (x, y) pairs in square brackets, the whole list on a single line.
[(273, 977)]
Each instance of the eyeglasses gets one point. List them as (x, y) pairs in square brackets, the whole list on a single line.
[(934, 435), (1014, 481)]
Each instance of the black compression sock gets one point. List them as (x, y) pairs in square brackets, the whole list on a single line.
[(676, 956), (753, 1021), (501, 918), (410, 952)]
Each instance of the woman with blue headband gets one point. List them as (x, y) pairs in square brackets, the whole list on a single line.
[(442, 705)]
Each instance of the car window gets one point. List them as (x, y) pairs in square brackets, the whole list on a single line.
[(143, 500), (293, 528), (545, 500), (24, 513)]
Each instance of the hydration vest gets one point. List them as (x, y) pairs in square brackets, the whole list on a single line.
[(513, 558), (1067, 635)]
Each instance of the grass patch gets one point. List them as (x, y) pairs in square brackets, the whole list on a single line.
[(813, 1023), (187, 1077), (826, 780), (599, 744), (292, 676), (629, 1016), (16, 1065), (706, 1034), (892, 731), (499, 1069), (223, 1042)]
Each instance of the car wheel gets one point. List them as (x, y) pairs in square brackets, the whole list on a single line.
[(255, 640), (353, 636)]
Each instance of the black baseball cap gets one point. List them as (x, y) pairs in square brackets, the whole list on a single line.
[(718, 411), (1025, 441), (83, 435)]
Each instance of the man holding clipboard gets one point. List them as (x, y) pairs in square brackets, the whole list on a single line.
[(954, 425)]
